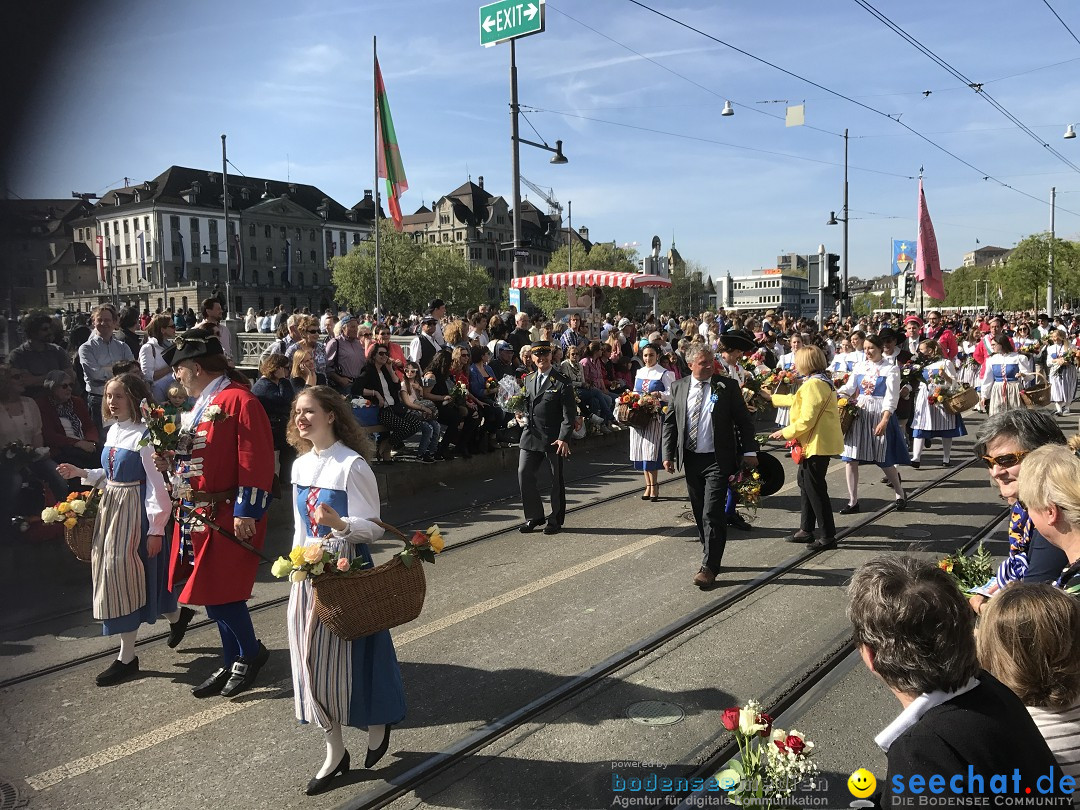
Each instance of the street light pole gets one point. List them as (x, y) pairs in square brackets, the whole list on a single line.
[(570, 236), (515, 162), (822, 270), (1050, 278), (841, 305)]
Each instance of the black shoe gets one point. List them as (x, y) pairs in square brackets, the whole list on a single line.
[(946, 464), (822, 543), (884, 480), (530, 526), (552, 528), (738, 522), (799, 537), (427, 458), (244, 672), (439, 457), (850, 509), (901, 504), (321, 783), (375, 754), (117, 672), (654, 498), (212, 685), (178, 628), (915, 464)]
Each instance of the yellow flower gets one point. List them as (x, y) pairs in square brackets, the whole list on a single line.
[(842, 402), (436, 542), (169, 427), (296, 556), (70, 522), (63, 507)]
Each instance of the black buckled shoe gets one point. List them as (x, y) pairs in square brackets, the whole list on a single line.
[(244, 672), (178, 628), (738, 522), (212, 685), (117, 672), (530, 526)]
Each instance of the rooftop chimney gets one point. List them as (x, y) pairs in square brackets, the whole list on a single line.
[(367, 195), (481, 179), (584, 231)]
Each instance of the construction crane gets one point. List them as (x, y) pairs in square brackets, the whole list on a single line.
[(547, 195)]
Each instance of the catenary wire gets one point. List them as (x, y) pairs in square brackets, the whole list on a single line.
[(1071, 34)]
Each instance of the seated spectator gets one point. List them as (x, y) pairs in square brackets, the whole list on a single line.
[(1029, 639), (453, 416), (345, 357), (594, 403), (381, 335), (378, 383), (415, 398), (485, 388), (303, 372), (916, 633), (275, 392), (251, 320), (592, 365), (66, 426), (38, 354), (1050, 491)]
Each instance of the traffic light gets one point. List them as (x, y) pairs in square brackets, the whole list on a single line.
[(901, 285), (834, 276)]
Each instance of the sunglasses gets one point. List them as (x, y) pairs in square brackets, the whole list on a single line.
[(313, 331), (1005, 459), (383, 354), (363, 334), (539, 352)]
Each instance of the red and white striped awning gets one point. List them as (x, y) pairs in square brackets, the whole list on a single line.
[(590, 278)]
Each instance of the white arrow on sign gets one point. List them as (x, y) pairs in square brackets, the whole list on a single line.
[(530, 11), (488, 22)]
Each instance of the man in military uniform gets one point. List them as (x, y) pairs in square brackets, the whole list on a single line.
[(550, 412)]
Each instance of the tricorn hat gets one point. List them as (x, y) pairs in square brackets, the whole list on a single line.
[(772, 473), (738, 339), (191, 345)]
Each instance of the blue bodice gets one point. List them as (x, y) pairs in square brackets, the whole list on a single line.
[(338, 500), (879, 386), (1008, 372), (122, 465), (643, 386)]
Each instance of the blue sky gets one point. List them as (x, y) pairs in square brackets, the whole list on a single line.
[(140, 86)]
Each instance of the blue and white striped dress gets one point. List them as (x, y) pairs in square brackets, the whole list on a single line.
[(933, 421), (786, 363), (880, 393), (337, 682), (1003, 378), (130, 587), (1062, 376)]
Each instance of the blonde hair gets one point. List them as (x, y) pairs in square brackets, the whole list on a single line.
[(135, 391), (453, 332), (1051, 475), (810, 360), (299, 356), (346, 428), (1028, 638)]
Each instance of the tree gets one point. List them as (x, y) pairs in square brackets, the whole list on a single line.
[(411, 274), (603, 256), (690, 290)]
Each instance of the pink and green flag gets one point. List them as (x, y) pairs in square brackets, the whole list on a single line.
[(389, 156)]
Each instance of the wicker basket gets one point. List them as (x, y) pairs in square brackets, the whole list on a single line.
[(1037, 396), (782, 389), (965, 400), (80, 539), (847, 420), (634, 416), (364, 602)]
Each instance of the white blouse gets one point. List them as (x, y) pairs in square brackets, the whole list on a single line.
[(342, 468), (127, 435), (658, 372), (24, 426), (150, 359), (1012, 359), (891, 373)]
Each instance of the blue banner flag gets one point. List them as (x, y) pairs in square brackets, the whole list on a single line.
[(903, 256)]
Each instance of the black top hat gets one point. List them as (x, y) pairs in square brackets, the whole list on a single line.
[(194, 343), (540, 346), (738, 339), (772, 473)]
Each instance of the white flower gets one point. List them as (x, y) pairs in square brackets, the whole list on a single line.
[(748, 722), (49, 515), (78, 506), (297, 576), (212, 413)]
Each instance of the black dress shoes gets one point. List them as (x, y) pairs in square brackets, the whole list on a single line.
[(530, 526), (738, 522), (375, 754), (244, 671), (850, 509), (552, 528), (212, 685), (822, 543), (322, 783), (800, 537), (118, 672), (901, 504), (178, 628), (915, 464)]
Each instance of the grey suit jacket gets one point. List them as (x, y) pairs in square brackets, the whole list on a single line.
[(733, 430)]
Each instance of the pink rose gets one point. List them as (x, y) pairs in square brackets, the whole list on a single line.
[(343, 564), (419, 539)]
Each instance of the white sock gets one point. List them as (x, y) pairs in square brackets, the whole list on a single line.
[(335, 750), (851, 471), (127, 647), (894, 480), (917, 446), (376, 735), (173, 616), (946, 450)]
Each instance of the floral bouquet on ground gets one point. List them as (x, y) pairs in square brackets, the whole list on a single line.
[(970, 572), (163, 428), (772, 763), (747, 488), (848, 411), (19, 455)]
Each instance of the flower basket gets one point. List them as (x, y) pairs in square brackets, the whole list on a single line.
[(962, 401), (80, 539), (638, 417), (847, 420), (782, 388), (1038, 396)]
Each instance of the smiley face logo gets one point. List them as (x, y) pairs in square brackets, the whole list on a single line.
[(861, 783)]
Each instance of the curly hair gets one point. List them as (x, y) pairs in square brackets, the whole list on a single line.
[(136, 390), (346, 428)]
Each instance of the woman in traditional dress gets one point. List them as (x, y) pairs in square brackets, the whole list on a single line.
[(336, 682), (1062, 371), (129, 561), (646, 443), (875, 437), (1003, 375), (786, 362), (931, 420)]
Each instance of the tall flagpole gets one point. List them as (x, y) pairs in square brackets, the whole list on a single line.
[(225, 234), (375, 110)]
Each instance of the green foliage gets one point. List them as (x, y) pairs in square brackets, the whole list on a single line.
[(690, 289), (1022, 280), (412, 273)]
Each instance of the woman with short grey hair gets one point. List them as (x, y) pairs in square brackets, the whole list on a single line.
[(67, 427)]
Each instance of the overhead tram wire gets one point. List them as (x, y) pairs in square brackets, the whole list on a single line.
[(1071, 34), (976, 86), (720, 143), (685, 78), (837, 94)]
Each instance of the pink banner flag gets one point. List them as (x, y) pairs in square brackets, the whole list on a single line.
[(927, 262)]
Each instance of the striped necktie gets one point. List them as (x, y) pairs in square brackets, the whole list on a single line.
[(693, 413)]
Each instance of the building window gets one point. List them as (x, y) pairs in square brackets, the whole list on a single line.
[(254, 251), (129, 276), (314, 256), (212, 227), (356, 239), (146, 223), (115, 228), (298, 236), (300, 280), (269, 253), (126, 227), (251, 229), (446, 237), (195, 224), (444, 219), (127, 253), (174, 223), (299, 256), (283, 235), (432, 237), (457, 236), (311, 235), (266, 231), (500, 220)]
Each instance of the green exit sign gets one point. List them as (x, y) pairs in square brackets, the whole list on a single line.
[(509, 19)]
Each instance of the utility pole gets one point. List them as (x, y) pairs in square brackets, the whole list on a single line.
[(822, 271), (842, 304), (1050, 278)]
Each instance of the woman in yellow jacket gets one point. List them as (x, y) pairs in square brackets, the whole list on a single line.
[(815, 424)]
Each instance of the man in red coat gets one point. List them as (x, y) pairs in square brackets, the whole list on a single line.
[(224, 468)]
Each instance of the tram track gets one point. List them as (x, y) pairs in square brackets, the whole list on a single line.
[(480, 739)]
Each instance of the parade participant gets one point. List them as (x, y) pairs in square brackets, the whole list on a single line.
[(786, 362), (985, 347), (968, 369), (1023, 338), (224, 472), (1050, 491), (939, 330), (550, 412), (1062, 372), (709, 434), (645, 442), (129, 560), (815, 425), (734, 345), (931, 420), (1003, 376), (913, 330), (875, 437), (337, 683)]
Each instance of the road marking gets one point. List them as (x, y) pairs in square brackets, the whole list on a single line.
[(83, 765)]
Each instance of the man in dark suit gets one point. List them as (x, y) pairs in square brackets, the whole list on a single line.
[(708, 432), (550, 412)]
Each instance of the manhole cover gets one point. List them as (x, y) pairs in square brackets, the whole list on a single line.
[(912, 534), (655, 713), (9, 796)]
